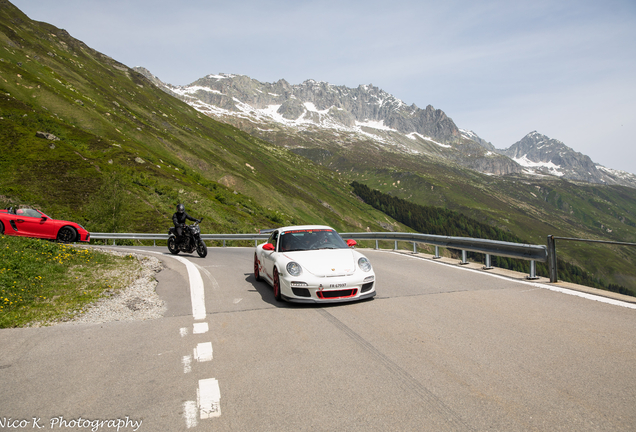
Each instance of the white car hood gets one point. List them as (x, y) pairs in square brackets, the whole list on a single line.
[(325, 262)]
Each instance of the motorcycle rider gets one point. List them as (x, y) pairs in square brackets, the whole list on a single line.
[(179, 221)]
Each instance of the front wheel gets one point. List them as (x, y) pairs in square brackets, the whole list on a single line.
[(66, 235), (172, 246), (202, 249)]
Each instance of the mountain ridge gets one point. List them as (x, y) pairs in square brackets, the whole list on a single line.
[(379, 116)]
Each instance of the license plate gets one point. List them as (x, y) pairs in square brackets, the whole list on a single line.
[(340, 285)]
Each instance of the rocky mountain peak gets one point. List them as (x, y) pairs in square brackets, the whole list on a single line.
[(538, 153), (316, 112)]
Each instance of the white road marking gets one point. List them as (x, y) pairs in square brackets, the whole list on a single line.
[(190, 413), (236, 301), (187, 364), (203, 352), (537, 285), (209, 398), (208, 393), (200, 328), (197, 295)]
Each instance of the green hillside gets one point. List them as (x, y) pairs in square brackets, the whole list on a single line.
[(128, 153), (528, 207)]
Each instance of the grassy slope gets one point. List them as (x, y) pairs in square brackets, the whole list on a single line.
[(115, 126), (530, 208)]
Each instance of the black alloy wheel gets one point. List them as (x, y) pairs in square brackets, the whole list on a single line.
[(172, 246), (66, 235), (202, 249)]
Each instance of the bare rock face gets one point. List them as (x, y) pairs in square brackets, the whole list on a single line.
[(46, 135)]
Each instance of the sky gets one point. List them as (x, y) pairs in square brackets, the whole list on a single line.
[(563, 68)]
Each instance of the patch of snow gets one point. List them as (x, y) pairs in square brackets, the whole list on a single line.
[(312, 108), (193, 89), (413, 136), (550, 166), (374, 125)]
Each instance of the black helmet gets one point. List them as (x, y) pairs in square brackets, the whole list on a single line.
[(180, 208)]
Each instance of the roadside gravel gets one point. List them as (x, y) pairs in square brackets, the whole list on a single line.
[(137, 302)]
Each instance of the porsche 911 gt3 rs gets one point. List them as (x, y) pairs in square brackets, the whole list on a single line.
[(313, 264)]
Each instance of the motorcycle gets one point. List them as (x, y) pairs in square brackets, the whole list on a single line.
[(190, 240)]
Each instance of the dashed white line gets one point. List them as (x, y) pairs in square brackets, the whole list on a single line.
[(203, 352), (200, 328), (187, 364), (208, 401), (209, 398), (190, 412)]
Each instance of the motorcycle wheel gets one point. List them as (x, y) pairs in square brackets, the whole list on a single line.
[(172, 246), (202, 249)]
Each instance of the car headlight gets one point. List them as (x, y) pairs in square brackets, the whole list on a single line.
[(294, 269), (364, 264)]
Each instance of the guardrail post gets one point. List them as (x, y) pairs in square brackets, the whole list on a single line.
[(376, 245), (436, 253), (395, 247), (552, 259), (533, 270), (414, 247), (464, 258), (224, 243), (487, 264)]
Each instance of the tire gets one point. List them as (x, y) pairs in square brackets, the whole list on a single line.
[(257, 272), (172, 245), (1, 228), (202, 249), (277, 295), (66, 234)]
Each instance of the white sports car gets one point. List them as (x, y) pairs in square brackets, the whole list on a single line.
[(313, 264)]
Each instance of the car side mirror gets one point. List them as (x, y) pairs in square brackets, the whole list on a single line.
[(44, 218), (268, 247), (351, 243)]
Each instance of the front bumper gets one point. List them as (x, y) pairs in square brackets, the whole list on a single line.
[(297, 292)]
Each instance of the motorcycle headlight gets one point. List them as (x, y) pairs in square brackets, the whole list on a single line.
[(364, 264), (294, 269)]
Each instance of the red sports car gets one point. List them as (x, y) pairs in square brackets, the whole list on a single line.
[(29, 222)]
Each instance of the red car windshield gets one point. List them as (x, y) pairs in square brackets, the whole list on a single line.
[(29, 212)]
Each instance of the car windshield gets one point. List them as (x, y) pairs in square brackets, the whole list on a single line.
[(310, 239), (28, 212)]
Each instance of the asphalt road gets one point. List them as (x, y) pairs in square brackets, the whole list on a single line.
[(440, 348)]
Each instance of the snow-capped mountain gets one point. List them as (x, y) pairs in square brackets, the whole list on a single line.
[(305, 116), (539, 154)]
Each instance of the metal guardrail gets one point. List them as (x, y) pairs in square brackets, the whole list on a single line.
[(552, 257), (528, 252)]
